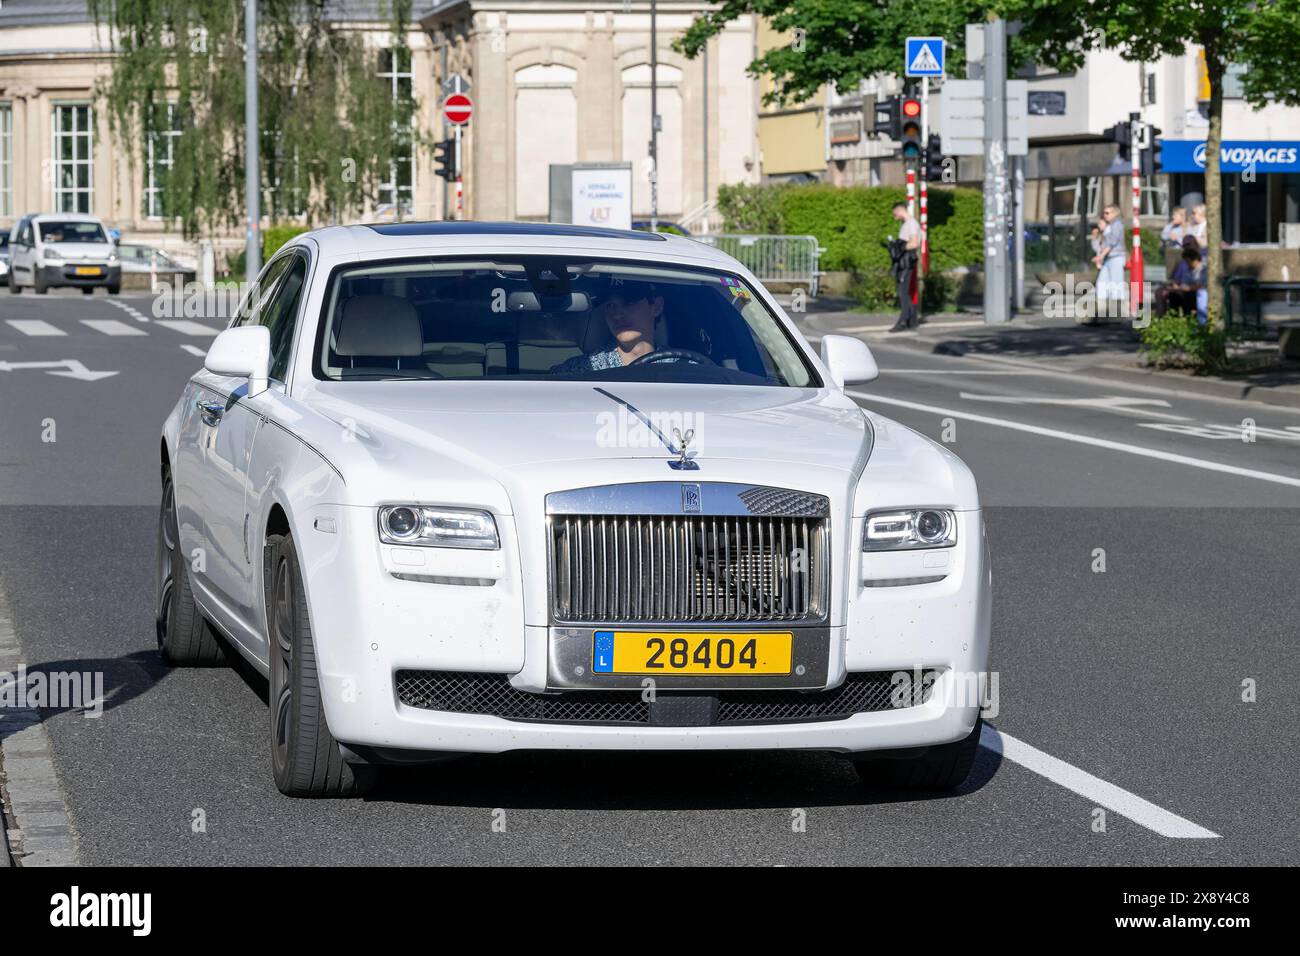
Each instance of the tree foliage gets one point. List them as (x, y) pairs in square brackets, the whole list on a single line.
[(842, 42), (330, 128)]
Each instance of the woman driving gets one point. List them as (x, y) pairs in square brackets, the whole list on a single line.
[(629, 308)]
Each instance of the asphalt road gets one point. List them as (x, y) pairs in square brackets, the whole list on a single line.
[(1129, 679)]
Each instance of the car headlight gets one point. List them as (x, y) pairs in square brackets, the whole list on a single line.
[(112, 258), (909, 528), (438, 527), (52, 258)]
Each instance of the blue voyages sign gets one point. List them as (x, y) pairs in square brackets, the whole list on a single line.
[(1235, 156)]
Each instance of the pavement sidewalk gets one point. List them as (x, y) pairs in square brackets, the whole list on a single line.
[(1105, 350)]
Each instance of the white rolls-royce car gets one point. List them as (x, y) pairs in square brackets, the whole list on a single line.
[(472, 488)]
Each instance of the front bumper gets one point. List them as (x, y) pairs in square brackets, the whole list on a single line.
[(375, 618), (66, 275)]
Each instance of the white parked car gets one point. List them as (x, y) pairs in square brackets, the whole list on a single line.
[(472, 488), (63, 249)]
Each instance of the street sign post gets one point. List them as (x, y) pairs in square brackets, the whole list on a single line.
[(457, 109), (923, 56)]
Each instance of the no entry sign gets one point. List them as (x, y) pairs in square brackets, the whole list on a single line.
[(458, 108)]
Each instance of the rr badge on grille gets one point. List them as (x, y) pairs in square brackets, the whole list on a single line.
[(690, 499)]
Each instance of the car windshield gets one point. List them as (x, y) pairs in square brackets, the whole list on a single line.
[(551, 318), (55, 231)]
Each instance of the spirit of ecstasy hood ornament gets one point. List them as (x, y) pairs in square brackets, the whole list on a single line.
[(683, 443)]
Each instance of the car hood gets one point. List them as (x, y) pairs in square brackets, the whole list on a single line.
[(512, 425)]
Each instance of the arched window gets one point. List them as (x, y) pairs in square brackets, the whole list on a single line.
[(546, 132)]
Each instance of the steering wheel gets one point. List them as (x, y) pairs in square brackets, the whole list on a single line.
[(673, 355)]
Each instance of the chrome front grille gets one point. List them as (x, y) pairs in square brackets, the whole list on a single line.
[(612, 568)]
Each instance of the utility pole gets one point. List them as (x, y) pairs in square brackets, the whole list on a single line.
[(997, 292), (924, 177), (252, 147), (654, 116)]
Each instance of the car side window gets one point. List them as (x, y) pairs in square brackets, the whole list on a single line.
[(251, 308), (279, 314)]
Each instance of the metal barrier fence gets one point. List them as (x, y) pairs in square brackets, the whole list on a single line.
[(792, 259)]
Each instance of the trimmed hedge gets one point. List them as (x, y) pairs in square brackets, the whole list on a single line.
[(273, 237), (851, 222)]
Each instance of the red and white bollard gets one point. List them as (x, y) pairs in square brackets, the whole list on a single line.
[(1137, 272)]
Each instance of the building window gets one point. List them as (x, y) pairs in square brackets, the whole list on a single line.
[(1232, 87), (397, 193), (160, 157), (6, 160), (74, 146)]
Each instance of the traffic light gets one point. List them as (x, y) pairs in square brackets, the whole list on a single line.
[(1152, 161), (888, 118), (1122, 135), (932, 163), (444, 159), (911, 132)]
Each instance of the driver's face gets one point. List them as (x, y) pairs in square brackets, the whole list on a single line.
[(632, 321)]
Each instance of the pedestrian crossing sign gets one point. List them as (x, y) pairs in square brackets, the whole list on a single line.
[(923, 56)]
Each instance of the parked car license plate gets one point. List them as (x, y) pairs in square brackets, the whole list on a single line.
[(88, 270), (691, 652)]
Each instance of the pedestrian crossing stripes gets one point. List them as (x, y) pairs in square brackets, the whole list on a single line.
[(35, 327), (112, 327)]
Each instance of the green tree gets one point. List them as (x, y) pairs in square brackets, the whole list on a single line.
[(330, 127), (841, 42), (1259, 38)]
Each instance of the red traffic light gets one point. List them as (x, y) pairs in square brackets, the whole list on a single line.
[(911, 107)]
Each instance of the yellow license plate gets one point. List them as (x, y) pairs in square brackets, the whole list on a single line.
[(88, 270), (696, 652)]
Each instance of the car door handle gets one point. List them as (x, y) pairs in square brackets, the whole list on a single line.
[(210, 412)]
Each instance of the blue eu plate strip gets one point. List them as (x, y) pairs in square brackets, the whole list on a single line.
[(602, 652)]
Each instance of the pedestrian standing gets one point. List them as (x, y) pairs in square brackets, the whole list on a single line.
[(903, 253), (1172, 234), (1199, 227), (1109, 260)]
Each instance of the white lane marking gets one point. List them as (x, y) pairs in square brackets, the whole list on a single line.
[(112, 327), (186, 327), (1098, 791), (72, 368), (965, 371), (194, 350), (1086, 440), (129, 310), (1226, 432), (35, 327), (1106, 403), (884, 329)]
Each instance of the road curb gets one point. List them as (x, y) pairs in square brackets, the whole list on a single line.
[(1209, 387), (29, 785), (1147, 378)]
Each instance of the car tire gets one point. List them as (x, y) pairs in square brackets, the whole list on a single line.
[(114, 289), (305, 757), (88, 290), (14, 287), (38, 286), (943, 767), (185, 639)]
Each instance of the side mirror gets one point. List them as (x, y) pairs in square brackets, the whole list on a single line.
[(243, 352), (849, 360)]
